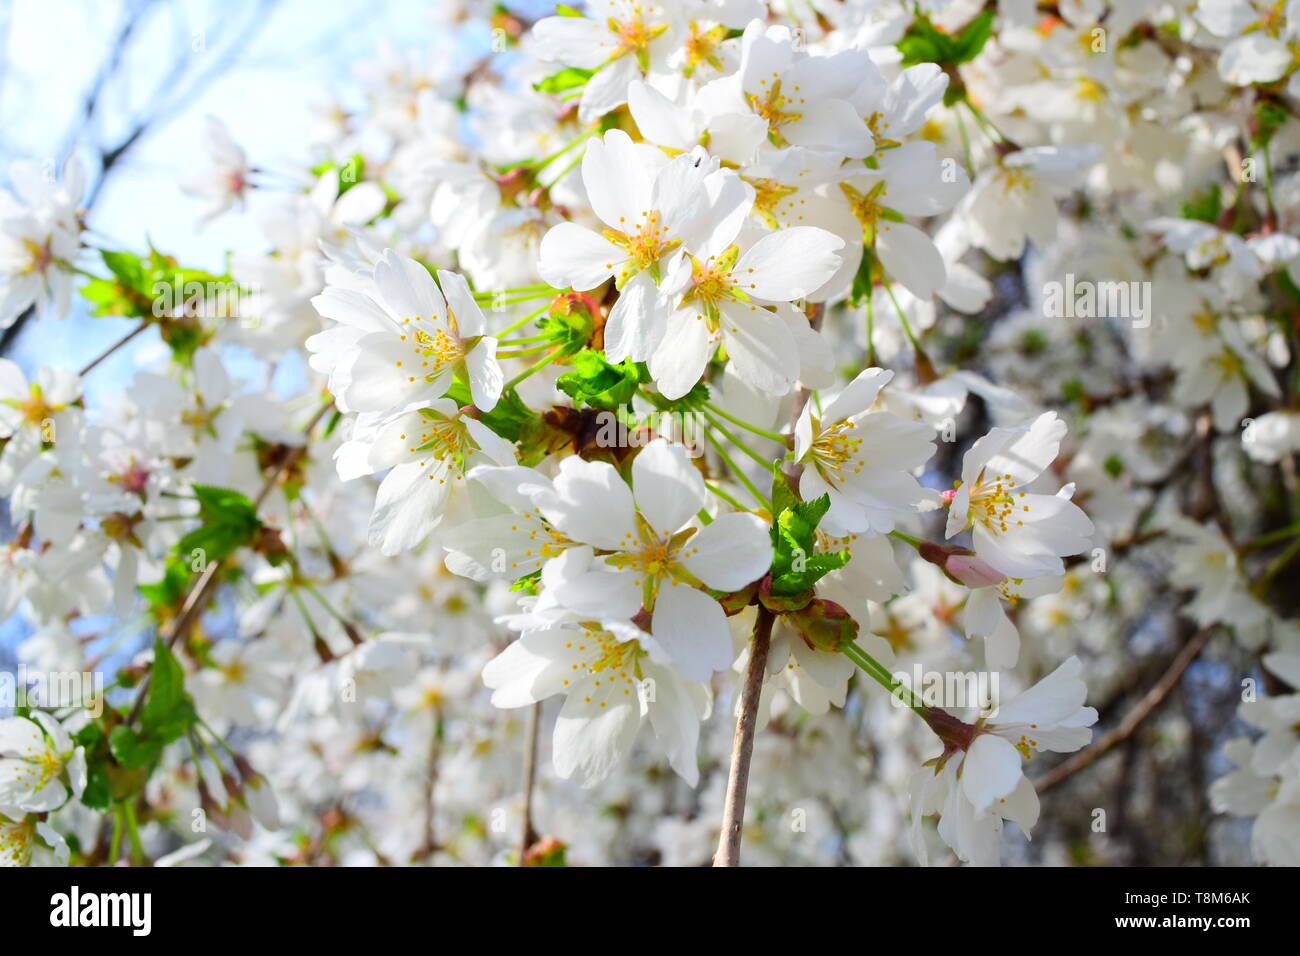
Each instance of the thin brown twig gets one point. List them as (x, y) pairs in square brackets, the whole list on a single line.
[(112, 348), (1133, 719), (742, 746), (197, 598), (526, 833)]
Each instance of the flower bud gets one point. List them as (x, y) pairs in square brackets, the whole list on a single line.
[(824, 625), (961, 565)]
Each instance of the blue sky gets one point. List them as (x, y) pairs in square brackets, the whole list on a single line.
[(305, 54)]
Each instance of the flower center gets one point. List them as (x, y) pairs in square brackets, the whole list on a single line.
[(703, 47), (835, 449), (15, 842), (1014, 179), (774, 106), (711, 282), (41, 257), (653, 559), (645, 245), (993, 503), (446, 439), (867, 208), (611, 653), (768, 193), (434, 350)]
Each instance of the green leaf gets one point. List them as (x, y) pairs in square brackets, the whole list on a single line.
[(98, 792), (564, 10), (127, 268), (861, 290), (510, 418), (783, 496), (167, 710), (529, 583), (692, 401), (88, 736), (229, 522), (1269, 115), (1205, 206), (169, 591), (923, 42), (594, 381), (796, 565), (132, 750), (569, 78), (973, 36)]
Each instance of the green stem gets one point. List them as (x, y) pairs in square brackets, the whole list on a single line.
[(535, 367), (302, 608), (903, 536), (907, 329), (320, 598), (763, 432), (115, 844), (736, 472), (1281, 534), (522, 353), (876, 671), (494, 302), (539, 337), (725, 497), (133, 832), (721, 429), (522, 322), (215, 736), (871, 325), (1278, 563), (988, 127), (965, 140), (564, 172), (489, 296), (1268, 179), (543, 163)]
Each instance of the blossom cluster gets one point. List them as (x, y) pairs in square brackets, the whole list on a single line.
[(830, 236)]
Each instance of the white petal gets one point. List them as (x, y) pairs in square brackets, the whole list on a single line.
[(691, 629), (571, 256), (729, 553), (683, 353), (460, 303), (760, 347), (635, 325), (992, 770), (485, 377), (407, 288), (589, 502), (789, 264), (910, 257), (590, 740), (669, 490)]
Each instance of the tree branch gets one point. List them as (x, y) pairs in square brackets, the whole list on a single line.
[(742, 747), (1133, 719)]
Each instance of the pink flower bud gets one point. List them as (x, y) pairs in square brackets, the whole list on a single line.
[(960, 564), (972, 571)]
